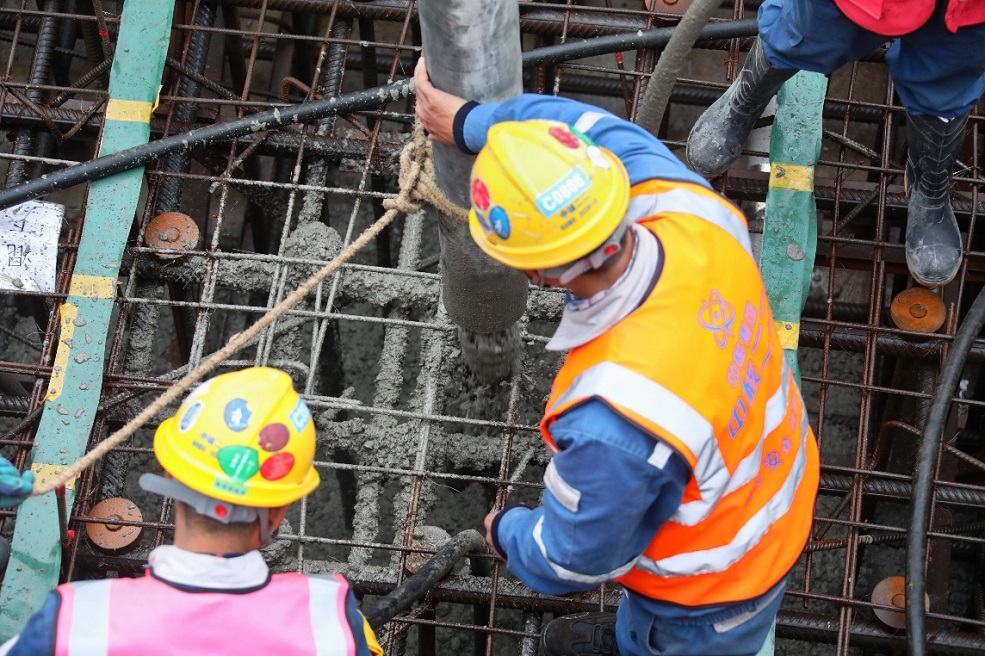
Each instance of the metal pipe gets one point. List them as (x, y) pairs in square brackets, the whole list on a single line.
[(475, 53)]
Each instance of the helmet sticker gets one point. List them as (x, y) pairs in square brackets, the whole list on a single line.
[(480, 195), (277, 466), (573, 184), (581, 135), (564, 135), (274, 437), (500, 221), (239, 462), (300, 415), (190, 416), (597, 157), (230, 487), (237, 415), (483, 222)]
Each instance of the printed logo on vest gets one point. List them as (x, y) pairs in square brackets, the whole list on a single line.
[(716, 316), (563, 192)]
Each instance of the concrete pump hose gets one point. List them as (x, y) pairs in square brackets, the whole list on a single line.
[(668, 69), (420, 583)]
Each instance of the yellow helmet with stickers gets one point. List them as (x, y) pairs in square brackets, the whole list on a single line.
[(244, 437), (544, 195)]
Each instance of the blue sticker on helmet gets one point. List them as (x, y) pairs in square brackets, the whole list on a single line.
[(300, 415), (500, 221), (237, 415), (562, 192), (190, 416)]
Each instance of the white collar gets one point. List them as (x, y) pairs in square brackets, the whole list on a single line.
[(584, 319), (187, 568)]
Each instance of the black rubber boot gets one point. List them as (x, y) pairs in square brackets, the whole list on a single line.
[(583, 634), (719, 134), (933, 241)]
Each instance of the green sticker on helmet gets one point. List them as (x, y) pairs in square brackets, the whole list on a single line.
[(239, 462)]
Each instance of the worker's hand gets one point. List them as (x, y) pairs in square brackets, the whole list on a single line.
[(436, 109), (14, 486), (487, 522)]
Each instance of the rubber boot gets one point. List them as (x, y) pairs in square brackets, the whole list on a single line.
[(582, 634), (719, 134), (933, 241)]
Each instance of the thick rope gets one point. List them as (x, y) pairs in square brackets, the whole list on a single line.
[(417, 186)]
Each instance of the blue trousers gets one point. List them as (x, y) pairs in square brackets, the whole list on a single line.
[(936, 72), (733, 630)]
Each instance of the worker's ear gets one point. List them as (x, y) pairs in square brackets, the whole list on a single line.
[(275, 516)]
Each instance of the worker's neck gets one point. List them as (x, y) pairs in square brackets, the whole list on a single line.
[(213, 544), (589, 284)]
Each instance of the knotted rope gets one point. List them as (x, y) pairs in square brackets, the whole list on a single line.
[(417, 186)]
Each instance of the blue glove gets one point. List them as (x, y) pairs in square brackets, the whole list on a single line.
[(14, 486)]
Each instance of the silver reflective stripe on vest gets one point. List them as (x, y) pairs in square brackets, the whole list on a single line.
[(721, 558), (686, 201), (653, 401), (89, 630), (567, 574), (329, 625), (695, 511), (588, 120)]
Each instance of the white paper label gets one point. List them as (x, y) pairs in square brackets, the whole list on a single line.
[(29, 246)]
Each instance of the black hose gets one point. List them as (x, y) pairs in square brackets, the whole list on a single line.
[(418, 585), (923, 475), (125, 160)]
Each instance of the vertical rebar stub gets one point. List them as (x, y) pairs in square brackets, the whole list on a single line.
[(173, 233)]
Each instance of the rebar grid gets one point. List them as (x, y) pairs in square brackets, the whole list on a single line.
[(410, 447)]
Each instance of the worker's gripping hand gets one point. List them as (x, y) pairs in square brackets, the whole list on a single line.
[(436, 109), (487, 522), (14, 486)]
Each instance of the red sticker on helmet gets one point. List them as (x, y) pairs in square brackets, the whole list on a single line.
[(564, 136), (274, 437), (480, 195), (277, 466)]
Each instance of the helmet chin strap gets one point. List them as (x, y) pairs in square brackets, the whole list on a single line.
[(565, 273)]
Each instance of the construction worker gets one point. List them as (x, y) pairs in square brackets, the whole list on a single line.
[(683, 464), (237, 454), (937, 64)]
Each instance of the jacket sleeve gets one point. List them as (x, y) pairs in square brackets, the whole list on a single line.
[(607, 491), (38, 636), (643, 155)]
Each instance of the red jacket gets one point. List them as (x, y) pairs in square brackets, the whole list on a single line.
[(899, 17)]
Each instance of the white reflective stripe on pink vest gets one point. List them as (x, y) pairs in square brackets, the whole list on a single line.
[(292, 614)]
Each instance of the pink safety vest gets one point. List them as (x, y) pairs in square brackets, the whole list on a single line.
[(292, 614)]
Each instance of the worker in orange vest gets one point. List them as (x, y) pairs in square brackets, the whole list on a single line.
[(937, 63), (684, 467), (237, 454)]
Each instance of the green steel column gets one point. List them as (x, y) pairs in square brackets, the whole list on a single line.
[(76, 380), (790, 223), (790, 220)]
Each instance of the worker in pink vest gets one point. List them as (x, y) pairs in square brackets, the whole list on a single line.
[(937, 63), (237, 454)]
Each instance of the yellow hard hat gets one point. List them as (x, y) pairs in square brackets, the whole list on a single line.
[(245, 437), (544, 195)]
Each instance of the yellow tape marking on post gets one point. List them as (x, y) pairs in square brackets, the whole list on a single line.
[(92, 286), (791, 176), (789, 334), (133, 111), (68, 311), (44, 472)]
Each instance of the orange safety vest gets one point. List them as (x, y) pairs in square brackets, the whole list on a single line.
[(699, 365)]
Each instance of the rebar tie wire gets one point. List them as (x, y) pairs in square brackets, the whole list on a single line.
[(417, 186)]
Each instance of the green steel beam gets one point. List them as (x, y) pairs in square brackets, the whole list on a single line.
[(790, 222), (790, 219), (77, 377)]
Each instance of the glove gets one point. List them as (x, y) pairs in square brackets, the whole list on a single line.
[(14, 486)]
